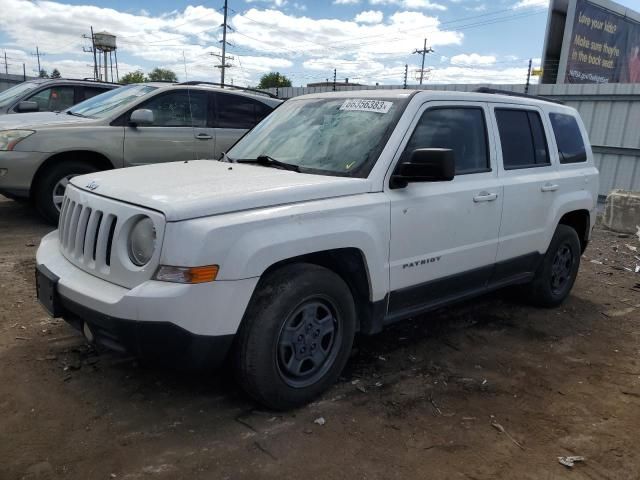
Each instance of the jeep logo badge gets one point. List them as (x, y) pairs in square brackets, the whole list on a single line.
[(92, 185)]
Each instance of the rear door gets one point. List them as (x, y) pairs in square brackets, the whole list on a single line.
[(530, 181), (180, 130), (54, 99), (234, 116)]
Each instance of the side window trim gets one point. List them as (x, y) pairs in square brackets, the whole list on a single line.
[(469, 106), (529, 110)]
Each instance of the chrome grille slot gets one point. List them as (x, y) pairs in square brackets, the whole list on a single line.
[(83, 220), (75, 216), (90, 236), (112, 230), (96, 232), (102, 241), (67, 223)]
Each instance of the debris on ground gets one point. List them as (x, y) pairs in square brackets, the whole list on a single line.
[(618, 313), (501, 429), (570, 461), (320, 421)]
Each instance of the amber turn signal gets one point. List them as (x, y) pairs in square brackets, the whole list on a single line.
[(167, 273)]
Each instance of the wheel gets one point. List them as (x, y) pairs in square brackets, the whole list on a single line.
[(49, 189), (296, 336), (559, 268)]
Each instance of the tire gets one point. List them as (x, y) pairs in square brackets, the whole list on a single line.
[(43, 192), (558, 271), (285, 354)]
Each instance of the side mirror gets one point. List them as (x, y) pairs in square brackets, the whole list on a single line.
[(141, 117), (27, 107), (425, 165)]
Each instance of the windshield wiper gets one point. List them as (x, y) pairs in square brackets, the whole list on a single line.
[(69, 112), (269, 162)]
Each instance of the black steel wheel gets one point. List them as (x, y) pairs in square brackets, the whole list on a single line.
[(558, 270), (309, 342)]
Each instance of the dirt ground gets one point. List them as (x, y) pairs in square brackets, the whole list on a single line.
[(489, 389)]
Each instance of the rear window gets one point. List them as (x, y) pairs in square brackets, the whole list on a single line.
[(522, 137), (571, 147), (235, 111)]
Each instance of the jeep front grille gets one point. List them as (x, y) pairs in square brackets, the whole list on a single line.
[(93, 232), (86, 234)]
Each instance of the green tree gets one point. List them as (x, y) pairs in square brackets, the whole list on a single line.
[(55, 73), (274, 79), (133, 77), (43, 74), (162, 75)]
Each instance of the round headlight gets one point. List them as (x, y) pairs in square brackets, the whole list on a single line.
[(142, 241)]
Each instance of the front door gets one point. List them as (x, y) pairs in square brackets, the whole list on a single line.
[(444, 235), (179, 131)]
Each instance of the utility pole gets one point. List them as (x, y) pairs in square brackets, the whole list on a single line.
[(526, 87), (24, 72), (406, 70), (37, 54), (423, 52), (6, 65), (224, 45), (93, 49), (334, 79)]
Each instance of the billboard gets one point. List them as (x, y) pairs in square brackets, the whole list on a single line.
[(591, 41), (605, 47)]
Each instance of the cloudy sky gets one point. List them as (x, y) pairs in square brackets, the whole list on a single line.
[(367, 41)]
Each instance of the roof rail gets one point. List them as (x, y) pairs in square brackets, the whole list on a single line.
[(497, 91), (225, 85)]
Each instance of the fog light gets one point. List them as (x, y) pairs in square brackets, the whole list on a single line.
[(3, 172), (88, 334)]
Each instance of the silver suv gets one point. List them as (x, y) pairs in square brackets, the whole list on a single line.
[(49, 95), (133, 125)]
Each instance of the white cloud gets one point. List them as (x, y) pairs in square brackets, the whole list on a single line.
[(473, 59), (411, 4), (274, 3), (531, 3), (369, 16), (346, 2)]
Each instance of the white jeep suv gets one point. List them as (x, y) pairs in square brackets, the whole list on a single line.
[(339, 213)]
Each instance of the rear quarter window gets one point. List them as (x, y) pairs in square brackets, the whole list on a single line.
[(571, 148)]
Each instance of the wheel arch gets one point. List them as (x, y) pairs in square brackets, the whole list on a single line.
[(580, 221), (350, 265), (100, 161)]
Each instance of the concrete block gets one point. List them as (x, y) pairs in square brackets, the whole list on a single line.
[(622, 211)]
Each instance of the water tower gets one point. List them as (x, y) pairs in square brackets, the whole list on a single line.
[(105, 43)]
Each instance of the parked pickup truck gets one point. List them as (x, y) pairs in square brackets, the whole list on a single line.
[(339, 213)]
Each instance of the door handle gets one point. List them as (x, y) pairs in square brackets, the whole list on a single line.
[(548, 187), (203, 136), (485, 197)]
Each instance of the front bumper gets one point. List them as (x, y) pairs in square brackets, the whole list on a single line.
[(17, 170), (192, 322)]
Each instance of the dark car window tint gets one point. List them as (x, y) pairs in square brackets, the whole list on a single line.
[(54, 99), (90, 92), (522, 139), (568, 137), (178, 108), (462, 130), (235, 111)]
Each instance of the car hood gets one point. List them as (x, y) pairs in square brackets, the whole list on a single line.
[(198, 188), (39, 119)]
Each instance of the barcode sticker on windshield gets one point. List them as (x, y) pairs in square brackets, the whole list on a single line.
[(361, 105)]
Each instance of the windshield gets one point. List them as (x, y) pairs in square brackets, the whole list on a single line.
[(324, 135), (104, 104), (14, 93)]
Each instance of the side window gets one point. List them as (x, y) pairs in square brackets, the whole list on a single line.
[(524, 144), (462, 130), (236, 111), (571, 147), (53, 99), (90, 92), (180, 108)]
